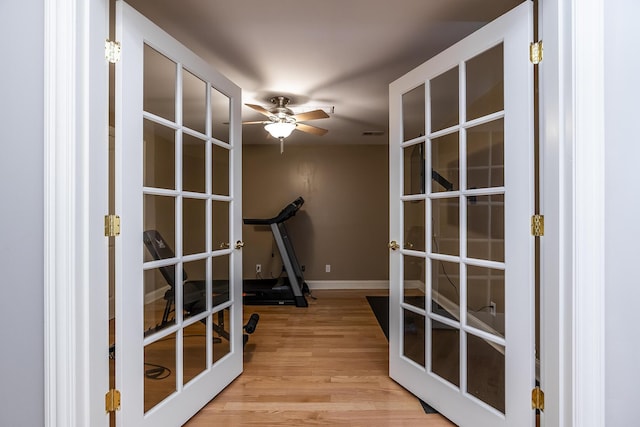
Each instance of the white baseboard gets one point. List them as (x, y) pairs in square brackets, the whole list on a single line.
[(347, 284)]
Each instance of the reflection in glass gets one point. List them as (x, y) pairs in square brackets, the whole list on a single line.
[(193, 164), (484, 287), (220, 111), (445, 286), (221, 276), (194, 229), (159, 371), (413, 113), (160, 215), (413, 336), (159, 155), (445, 161), (159, 84), (485, 155), (414, 281), (220, 225), (414, 219), (446, 231), (194, 102), (194, 288), (414, 169), (158, 281), (220, 326), (194, 351), (445, 100), (445, 352), (485, 83), (220, 170), (485, 227), (485, 371)]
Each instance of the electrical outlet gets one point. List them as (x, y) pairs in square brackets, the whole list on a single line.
[(327, 268), (258, 268), (492, 308)]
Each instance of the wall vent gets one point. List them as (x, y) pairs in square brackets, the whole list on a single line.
[(372, 133)]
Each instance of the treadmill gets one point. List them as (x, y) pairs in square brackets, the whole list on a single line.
[(288, 290)]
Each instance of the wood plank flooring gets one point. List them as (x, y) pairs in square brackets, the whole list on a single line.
[(326, 364)]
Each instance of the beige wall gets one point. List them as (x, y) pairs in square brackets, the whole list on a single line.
[(344, 221)]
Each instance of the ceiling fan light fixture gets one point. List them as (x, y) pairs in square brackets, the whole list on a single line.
[(280, 129)]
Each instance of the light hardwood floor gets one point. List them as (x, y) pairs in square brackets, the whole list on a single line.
[(326, 364)]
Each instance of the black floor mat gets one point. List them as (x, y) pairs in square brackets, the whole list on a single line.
[(380, 307)]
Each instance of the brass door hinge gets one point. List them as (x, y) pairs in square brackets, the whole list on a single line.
[(112, 51), (537, 399), (112, 401), (537, 225), (535, 52), (111, 225)]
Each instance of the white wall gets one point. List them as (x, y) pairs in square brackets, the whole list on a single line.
[(21, 215), (622, 230)]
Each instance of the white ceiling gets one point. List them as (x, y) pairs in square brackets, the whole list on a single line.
[(329, 53)]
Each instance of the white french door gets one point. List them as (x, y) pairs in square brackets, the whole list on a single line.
[(462, 258), (178, 258)]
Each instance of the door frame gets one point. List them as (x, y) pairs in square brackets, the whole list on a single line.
[(76, 184)]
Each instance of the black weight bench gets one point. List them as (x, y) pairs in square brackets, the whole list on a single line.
[(193, 291)]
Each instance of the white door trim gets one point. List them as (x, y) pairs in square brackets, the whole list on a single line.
[(572, 162), (75, 173), (589, 192)]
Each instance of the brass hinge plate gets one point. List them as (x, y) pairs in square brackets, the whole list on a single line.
[(111, 225), (112, 51), (535, 52), (112, 401), (537, 399), (537, 225)]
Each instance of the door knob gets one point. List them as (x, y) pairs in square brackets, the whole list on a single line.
[(393, 245), (239, 244), (224, 245)]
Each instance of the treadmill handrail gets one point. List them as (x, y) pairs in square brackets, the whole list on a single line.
[(286, 213)]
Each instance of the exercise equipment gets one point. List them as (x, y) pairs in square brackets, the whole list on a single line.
[(283, 290), (193, 291)]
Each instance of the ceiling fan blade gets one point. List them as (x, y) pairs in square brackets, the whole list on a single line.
[(260, 109), (259, 122), (311, 115), (311, 129)]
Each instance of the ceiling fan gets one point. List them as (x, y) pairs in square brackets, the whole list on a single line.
[(282, 120)]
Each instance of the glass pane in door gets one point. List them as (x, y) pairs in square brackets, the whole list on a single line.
[(445, 214), (445, 288), (194, 102), (445, 163), (413, 113), (194, 225), (445, 352), (444, 100), (220, 170), (159, 84), (159, 153), (414, 169), (194, 351), (194, 164), (485, 83), (220, 225), (414, 281), (413, 336), (220, 113), (159, 371), (485, 371), (414, 217)]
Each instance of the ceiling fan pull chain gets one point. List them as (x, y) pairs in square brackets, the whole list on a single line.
[(281, 145)]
